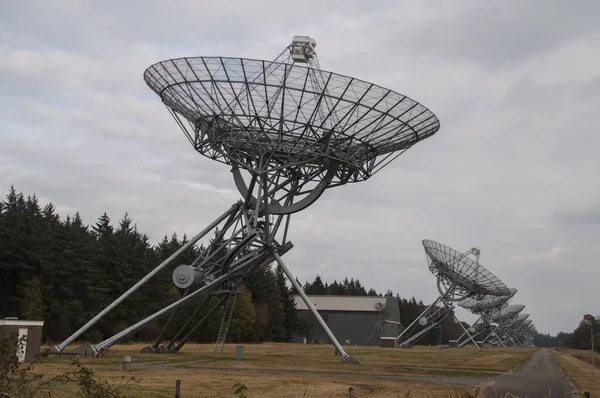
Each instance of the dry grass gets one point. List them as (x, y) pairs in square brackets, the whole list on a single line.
[(158, 382), (297, 370), (580, 372), (418, 360), (584, 355)]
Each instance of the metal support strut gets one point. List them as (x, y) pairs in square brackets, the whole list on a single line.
[(346, 358), (145, 279)]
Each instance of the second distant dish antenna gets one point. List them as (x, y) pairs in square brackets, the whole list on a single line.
[(458, 277)]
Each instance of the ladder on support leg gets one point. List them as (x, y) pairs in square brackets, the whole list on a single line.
[(226, 320)]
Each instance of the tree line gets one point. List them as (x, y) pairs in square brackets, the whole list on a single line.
[(581, 337), (64, 272)]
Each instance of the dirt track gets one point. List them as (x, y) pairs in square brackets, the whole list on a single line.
[(538, 377)]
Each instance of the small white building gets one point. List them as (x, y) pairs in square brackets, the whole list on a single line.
[(31, 331)]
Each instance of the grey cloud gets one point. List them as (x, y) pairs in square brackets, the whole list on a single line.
[(511, 170), (526, 94), (585, 216), (501, 34), (182, 23), (591, 90)]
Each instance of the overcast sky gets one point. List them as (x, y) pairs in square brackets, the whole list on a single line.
[(513, 170)]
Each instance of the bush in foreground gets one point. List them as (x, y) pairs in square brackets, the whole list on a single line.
[(19, 380)]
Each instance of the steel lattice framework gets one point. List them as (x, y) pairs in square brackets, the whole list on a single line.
[(524, 335), (466, 277), (305, 116), (487, 304), (288, 130), (509, 323), (485, 308), (507, 312), (510, 330), (459, 277)]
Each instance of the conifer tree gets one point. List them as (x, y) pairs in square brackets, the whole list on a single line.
[(289, 305), (31, 302), (16, 262), (317, 287), (242, 323), (270, 318)]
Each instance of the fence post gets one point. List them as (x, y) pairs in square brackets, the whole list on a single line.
[(587, 394), (351, 392), (126, 362), (239, 352), (177, 388)]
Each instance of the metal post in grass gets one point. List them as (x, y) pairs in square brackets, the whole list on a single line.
[(177, 388), (593, 365), (126, 362), (592, 321), (239, 352)]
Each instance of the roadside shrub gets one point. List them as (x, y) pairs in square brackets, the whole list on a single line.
[(18, 380)]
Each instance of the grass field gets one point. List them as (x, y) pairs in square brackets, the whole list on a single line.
[(295, 370), (585, 356), (576, 364)]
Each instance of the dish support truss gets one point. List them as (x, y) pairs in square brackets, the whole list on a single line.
[(480, 327), (527, 336), (512, 333), (498, 336), (483, 326), (247, 237), (440, 310)]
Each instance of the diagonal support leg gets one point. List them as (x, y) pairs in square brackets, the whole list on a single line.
[(501, 342), (491, 334), (233, 209), (209, 286), (441, 317), (171, 343), (478, 332), (495, 336), (153, 348), (197, 326), (433, 315), (466, 331), (426, 312), (346, 358), (475, 325)]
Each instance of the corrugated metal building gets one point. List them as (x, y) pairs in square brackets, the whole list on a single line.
[(356, 320)]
